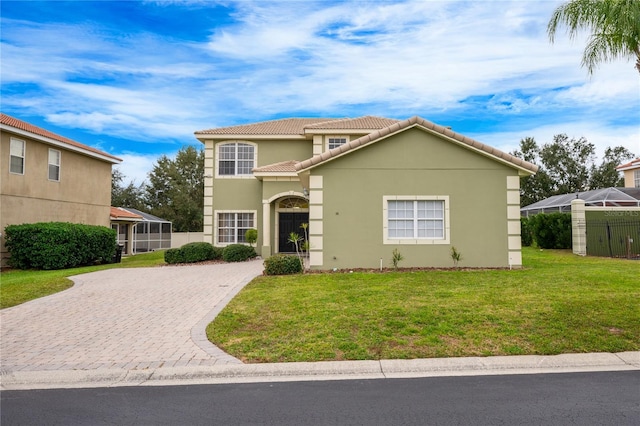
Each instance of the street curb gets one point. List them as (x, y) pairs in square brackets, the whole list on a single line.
[(324, 370)]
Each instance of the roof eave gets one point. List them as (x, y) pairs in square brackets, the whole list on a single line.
[(60, 144), (202, 137)]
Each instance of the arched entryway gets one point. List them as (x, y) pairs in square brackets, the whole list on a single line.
[(291, 213)]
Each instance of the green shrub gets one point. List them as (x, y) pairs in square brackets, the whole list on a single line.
[(281, 264), (197, 252), (173, 256), (59, 245), (552, 230), (217, 253), (525, 232), (238, 253), (192, 252), (251, 236)]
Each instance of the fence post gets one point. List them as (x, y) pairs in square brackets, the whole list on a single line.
[(578, 227)]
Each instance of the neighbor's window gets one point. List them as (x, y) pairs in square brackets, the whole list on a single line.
[(636, 178), (54, 165), (235, 159), (418, 219), (233, 226), (336, 141), (16, 157)]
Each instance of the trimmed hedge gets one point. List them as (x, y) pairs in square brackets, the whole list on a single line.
[(238, 253), (192, 252), (59, 245), (551, 230), (526, 234), (281, 264)]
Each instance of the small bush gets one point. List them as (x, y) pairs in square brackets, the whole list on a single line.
[(197, 252), (173, 256), (281, 264), (193, 252), (552, 230), (238, 253), (251, 236), (526, 234), (59, 245)]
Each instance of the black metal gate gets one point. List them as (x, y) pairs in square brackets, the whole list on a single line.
[(615, 237)]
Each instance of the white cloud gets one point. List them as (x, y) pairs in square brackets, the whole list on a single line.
[(136, 167), (471, 60)]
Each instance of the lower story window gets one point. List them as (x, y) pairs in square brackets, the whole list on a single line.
[(416, 219), (233, 226)]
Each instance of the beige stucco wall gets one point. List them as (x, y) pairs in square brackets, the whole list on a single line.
[(83, 194), (411, 163), (629, 181)]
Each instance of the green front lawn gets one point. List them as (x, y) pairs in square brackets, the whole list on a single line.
[(17, 286), (560, 303)]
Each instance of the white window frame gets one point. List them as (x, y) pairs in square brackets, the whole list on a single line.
[(50, 164), (636, 178), (416, 240), (216, 215), (235, 175), (12, 154), (334, 137)]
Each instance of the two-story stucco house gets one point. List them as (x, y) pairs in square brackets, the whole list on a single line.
[(631, 171), (45, 177), (365, 186)]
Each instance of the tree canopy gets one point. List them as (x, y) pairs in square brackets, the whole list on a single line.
[(175, 190), (566, 166), (614, 26)]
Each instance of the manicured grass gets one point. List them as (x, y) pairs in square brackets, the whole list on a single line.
[(559, 303), (17, 286)]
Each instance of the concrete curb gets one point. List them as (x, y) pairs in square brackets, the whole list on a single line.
[(316, 371)]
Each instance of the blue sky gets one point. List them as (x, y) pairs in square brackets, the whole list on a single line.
[(138, 78)]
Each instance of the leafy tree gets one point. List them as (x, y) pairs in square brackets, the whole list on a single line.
[(567, 161), (566, 166), (614, 27), (605, 175), (129, 196), (176, 189), (537, 187)]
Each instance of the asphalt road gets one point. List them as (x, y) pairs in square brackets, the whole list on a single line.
[(603, 398)]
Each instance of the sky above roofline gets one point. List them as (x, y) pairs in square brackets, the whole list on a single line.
[(137, 78)]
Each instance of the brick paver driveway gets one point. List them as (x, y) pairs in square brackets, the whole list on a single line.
[(124, 318)]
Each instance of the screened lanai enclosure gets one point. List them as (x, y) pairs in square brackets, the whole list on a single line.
[(151, 233), (140, 232), (606, 197)]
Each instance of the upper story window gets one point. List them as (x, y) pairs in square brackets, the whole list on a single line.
[(54, 165), (336, 141), (16, 157), (236, 159), (636, 178)]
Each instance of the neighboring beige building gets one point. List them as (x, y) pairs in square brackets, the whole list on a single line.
[(631, 172), (45, 177), (365, 186)]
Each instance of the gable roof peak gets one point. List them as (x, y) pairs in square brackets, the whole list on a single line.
[(399, 126)]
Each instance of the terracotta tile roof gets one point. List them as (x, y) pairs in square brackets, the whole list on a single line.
[(24, 126), (411, 122), (120, 213), (282, 167), (299, 126), (285, 126), (630, 165), (366, 122)]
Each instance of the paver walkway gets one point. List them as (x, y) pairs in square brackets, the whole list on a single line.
[(135, 318)]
